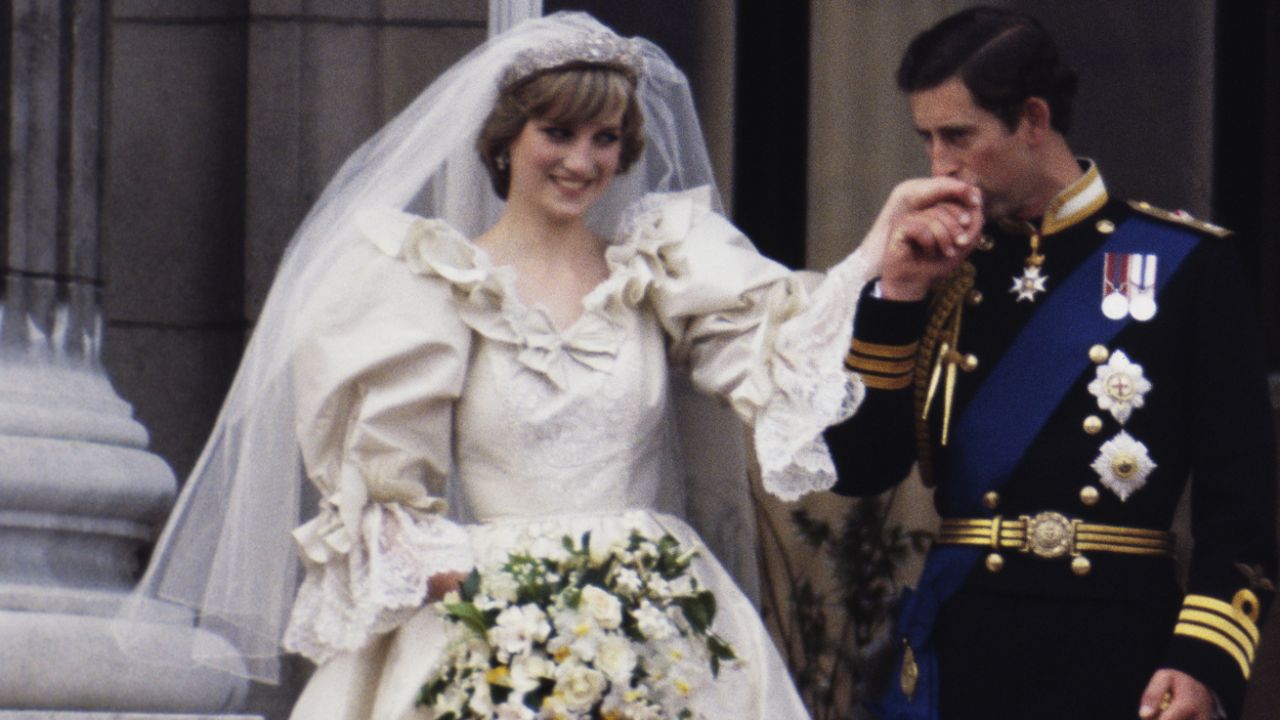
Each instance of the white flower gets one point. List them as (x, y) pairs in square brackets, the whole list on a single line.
[(627, 581), (616, 658), (1123, 465), (579, 686), (682, 585), (481, 702), (652, 622), (1120, 386), (500, 585), (513, 711), (528, 670), (517, 628), (600, 605)]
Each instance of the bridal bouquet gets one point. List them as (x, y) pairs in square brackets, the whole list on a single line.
[(594, 630)]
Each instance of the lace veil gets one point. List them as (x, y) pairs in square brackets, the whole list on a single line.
[(225, 562)]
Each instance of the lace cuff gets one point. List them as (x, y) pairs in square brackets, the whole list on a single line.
[(812, 389), (377, 584)]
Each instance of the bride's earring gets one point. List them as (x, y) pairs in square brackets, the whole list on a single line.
[(503, 161)]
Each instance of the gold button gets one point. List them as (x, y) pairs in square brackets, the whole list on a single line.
[(970, 363), (995, 562), (1093, 424), (1080, 565), (1099, 353), (1089, 495), (986, 243), (991, 500), (975, 297), (1106, 227)]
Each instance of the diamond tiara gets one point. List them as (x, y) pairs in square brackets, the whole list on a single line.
[(584, 49)]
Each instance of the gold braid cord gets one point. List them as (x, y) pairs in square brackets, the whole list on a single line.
[(938, 355)]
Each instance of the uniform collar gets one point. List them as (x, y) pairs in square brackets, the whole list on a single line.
[(1078, 201)]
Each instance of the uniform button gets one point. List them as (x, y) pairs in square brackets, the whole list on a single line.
[(995, 562), (1106, 227), (1093, 424), (991, 500), (975, 297), (970, 363), (1089, 495), (1081, 565), (1099, 353)]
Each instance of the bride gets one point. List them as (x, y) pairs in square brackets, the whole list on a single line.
[(472, 343)]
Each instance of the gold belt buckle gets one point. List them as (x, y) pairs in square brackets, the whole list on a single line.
[(1049, 535)]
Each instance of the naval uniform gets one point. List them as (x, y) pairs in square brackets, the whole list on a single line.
[(1051, 591)]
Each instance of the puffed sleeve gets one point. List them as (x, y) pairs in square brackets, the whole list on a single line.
[(375, 384), (770, 341)]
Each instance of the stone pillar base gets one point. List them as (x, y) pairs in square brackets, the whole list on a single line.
[(64, 715)]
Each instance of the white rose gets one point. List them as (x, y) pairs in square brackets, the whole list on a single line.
[(616, 658), (481, 702), (628, 581), (500, 585), (517, 628), (579, 686), (652, 622), (528, 670), (601, 606)]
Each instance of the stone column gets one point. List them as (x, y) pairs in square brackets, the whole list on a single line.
[(80, 495)]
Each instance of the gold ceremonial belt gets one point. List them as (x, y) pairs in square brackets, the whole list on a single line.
[(1053, 535)]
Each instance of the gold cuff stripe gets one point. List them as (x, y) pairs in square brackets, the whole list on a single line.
[(887, 367), (1225, 609), (877, 382), (885, 352), (1214, 637), (1222, 625)]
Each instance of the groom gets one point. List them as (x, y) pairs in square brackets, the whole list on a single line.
[(1058, 381)]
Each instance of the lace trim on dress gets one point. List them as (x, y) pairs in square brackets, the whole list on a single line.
[(813, 389), (379, 584)]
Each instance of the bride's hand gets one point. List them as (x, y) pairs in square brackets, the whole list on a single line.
[(444, 583), (927, 227)]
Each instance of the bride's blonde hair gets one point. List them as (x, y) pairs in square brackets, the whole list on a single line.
[(565, 96)]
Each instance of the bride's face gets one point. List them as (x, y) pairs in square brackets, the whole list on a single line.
[(561, 169)]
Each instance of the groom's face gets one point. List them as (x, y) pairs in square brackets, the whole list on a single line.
[(971, 144)]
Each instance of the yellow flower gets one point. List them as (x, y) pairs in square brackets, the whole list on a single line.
[(500, 675), (683, 687)]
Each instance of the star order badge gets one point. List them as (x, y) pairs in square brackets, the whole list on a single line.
[(1120, 386), (1123, 465), (1029, 284)]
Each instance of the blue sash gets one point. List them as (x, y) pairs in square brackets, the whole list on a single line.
[(1005, 415)]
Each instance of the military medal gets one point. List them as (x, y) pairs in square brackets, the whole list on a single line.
[(1142, 288), (1123, 465), (1030, 283), (1120, 386), (1115, 286)]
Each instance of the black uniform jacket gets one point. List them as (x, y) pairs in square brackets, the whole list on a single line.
[(1204, 419)]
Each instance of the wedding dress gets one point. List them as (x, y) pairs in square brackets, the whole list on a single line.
[(428, 367)]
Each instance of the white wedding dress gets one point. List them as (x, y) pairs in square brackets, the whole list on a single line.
[(429, 379)]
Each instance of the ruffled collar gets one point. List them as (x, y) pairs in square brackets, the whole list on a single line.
[(488, 303), (486, 294)]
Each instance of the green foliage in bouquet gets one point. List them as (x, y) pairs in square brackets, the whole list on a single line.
[(593, 630)]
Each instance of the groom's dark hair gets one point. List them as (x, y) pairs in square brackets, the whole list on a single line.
[(1003, 57)]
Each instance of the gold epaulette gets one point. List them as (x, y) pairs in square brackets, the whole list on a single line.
[(936, 344), (1178, 217)]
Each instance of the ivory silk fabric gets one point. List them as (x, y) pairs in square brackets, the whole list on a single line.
[(427, 378)]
